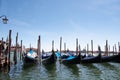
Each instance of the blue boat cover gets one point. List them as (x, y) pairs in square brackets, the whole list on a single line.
[(70, 57), (31, 56), (31, 51), (57, 54)]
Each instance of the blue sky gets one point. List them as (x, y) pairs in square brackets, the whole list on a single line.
[(97, 20)]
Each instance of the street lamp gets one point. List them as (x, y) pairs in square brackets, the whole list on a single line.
[(4, 19)]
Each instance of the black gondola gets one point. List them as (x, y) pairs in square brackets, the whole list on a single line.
[(92, 59), (30, 57), (64, 56), (51, 59), (44, 55), (101, 59), (82, 59), (72, 60), (114, 58)]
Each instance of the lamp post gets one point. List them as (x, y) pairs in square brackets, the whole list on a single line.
[(4, 19)]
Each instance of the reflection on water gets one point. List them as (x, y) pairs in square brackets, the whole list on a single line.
[(109, 72), (92, 70), (50, 71), (73, 70), (59, 71)]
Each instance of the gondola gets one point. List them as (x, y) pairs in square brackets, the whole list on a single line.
[(62, 56), (113, 58), (92, 59), (101, 59), (82, 59), (30, 57), (51, 59), (71, 60), (44, 55)]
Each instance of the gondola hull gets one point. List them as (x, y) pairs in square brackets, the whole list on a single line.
[(92, 59), (30, 57), (51, 59), (29, 60), (58, 54), (71, 60), (114, 58)]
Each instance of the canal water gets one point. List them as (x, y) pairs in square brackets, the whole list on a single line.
[(59, 71)]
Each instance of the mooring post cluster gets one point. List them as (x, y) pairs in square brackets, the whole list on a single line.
[(6, 49)]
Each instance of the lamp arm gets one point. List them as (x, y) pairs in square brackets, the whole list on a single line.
[(2, 16)]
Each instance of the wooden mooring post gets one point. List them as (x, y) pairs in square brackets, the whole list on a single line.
[(1, 48), (118, 47), (0, 54), (16, 48), (39, 49), (9, 49), (60, 46), (115, 49), (99, 51), (92, 47), (77, 46), (109, 50), (64, 47), (21, 51), (106, 48), (87, 48), (6, 54), (80, 52), (3, 54), (53, 45), (79, 49)]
